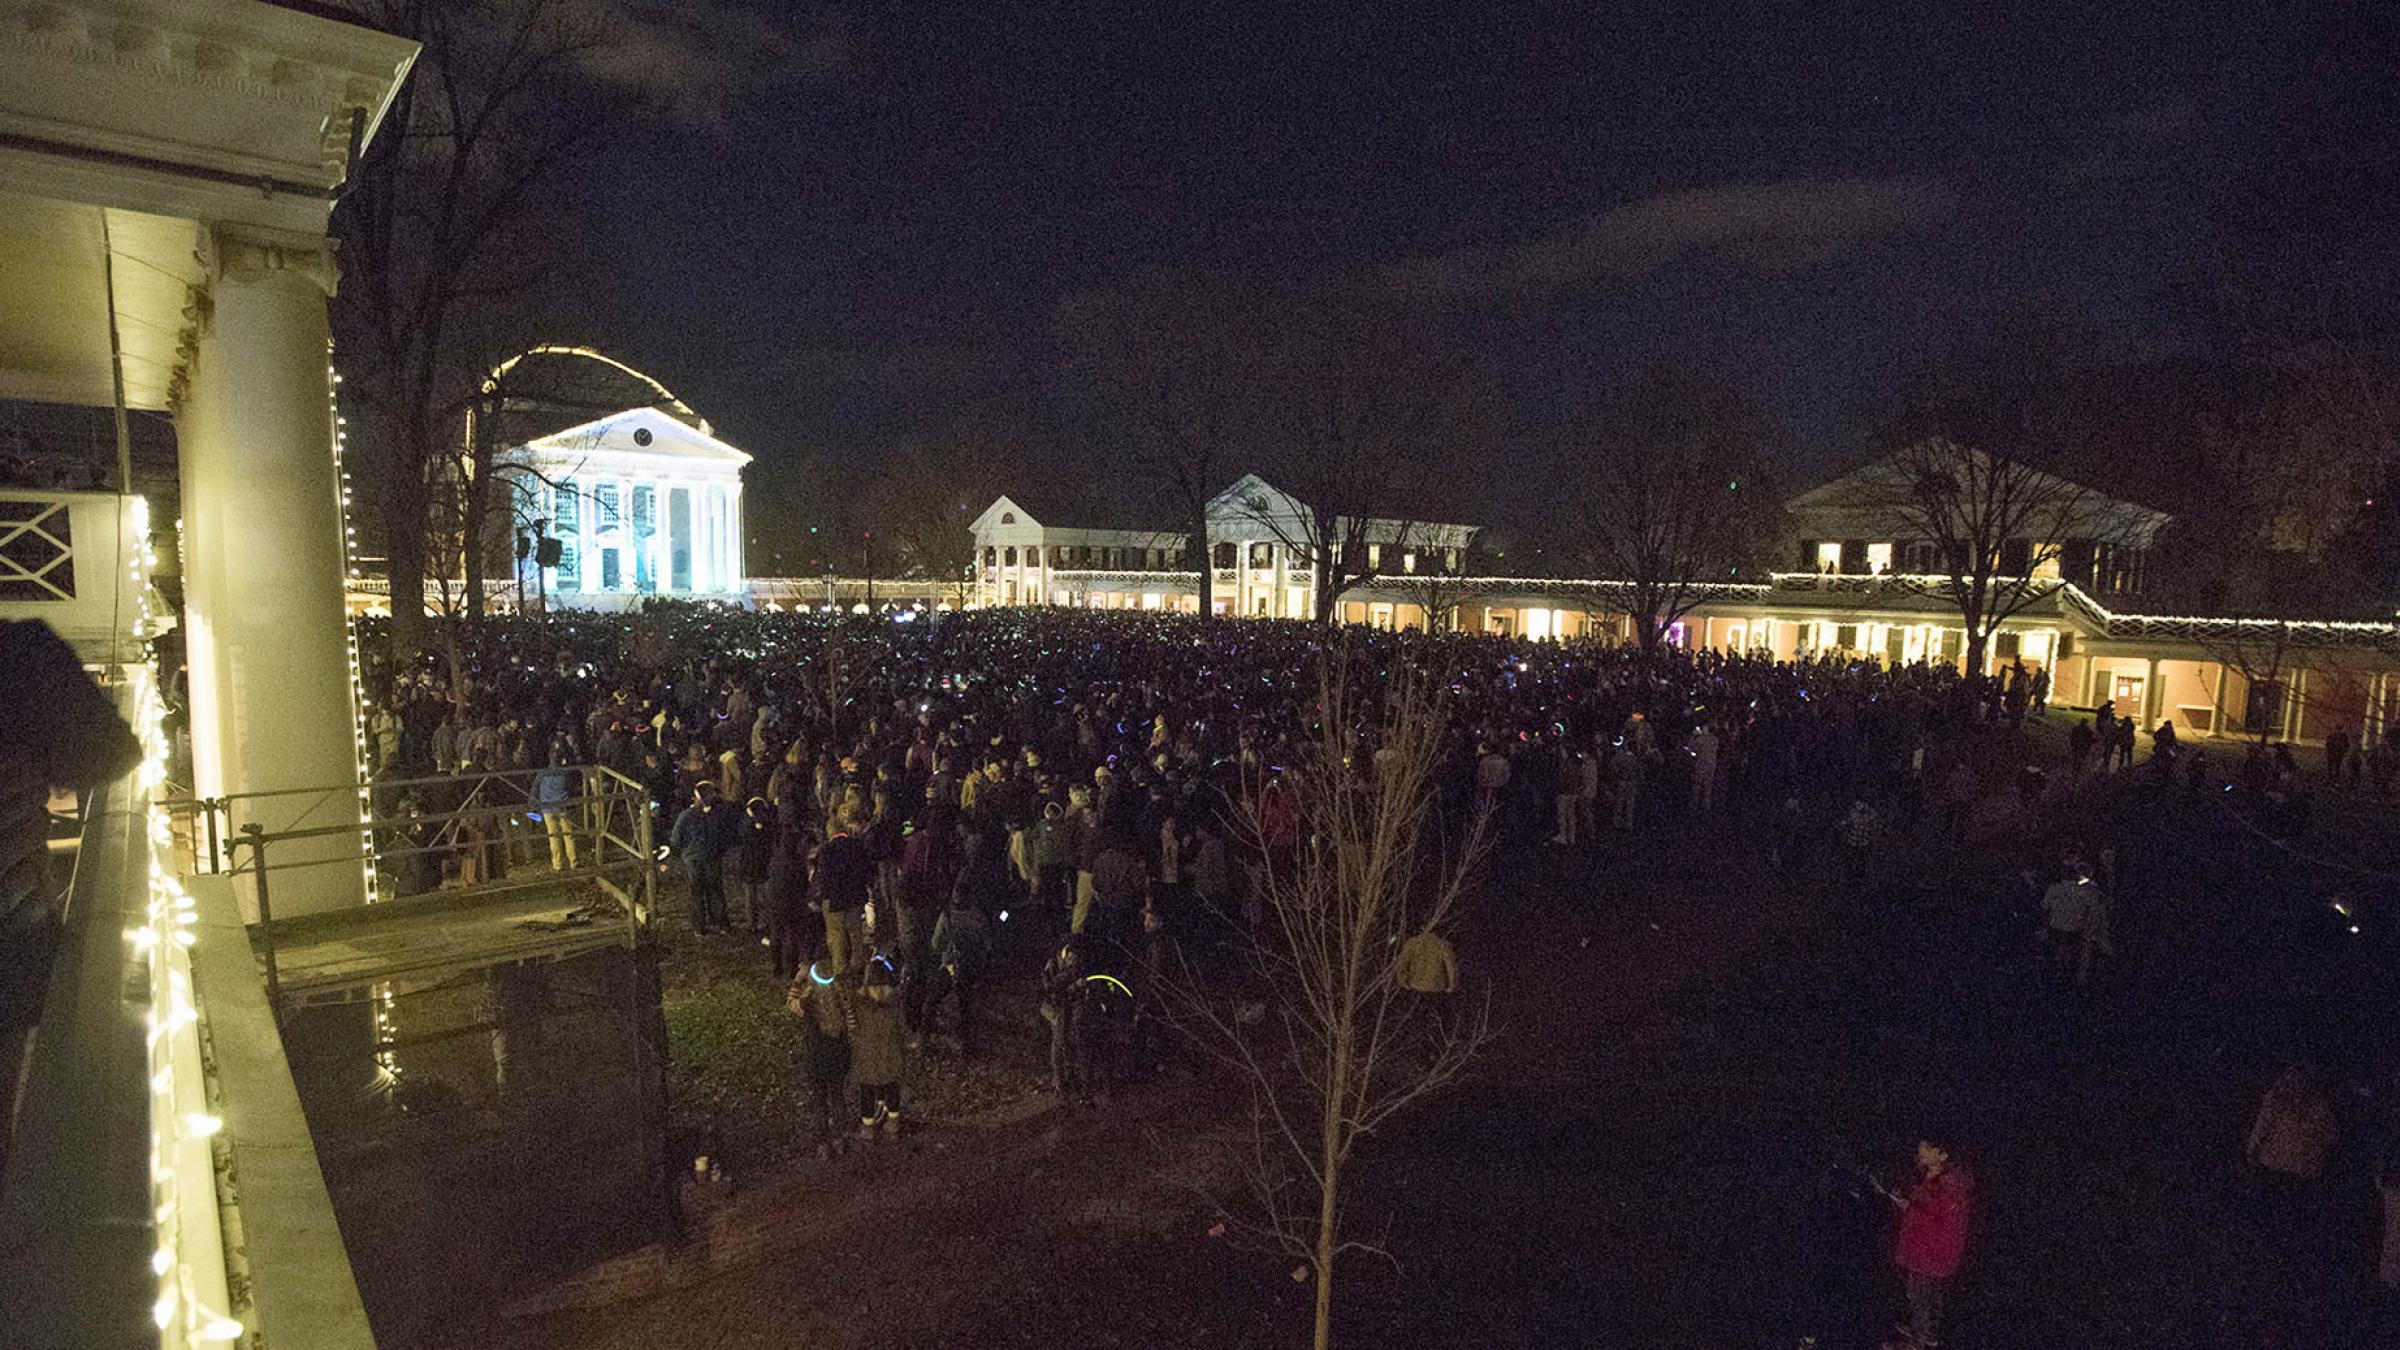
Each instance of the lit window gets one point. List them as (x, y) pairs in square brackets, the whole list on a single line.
[(1829, 556), (1374, 557), (1879, 558), (1408, 561)]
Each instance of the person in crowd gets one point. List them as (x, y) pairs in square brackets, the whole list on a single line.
[(795, 923), (749, 856), (1932, 1241), (1861, 826), (878, 1049), (1704, 769), (822, 1005), (1624, 784), (554, 797), (699, 842), (1568, 793), (1428, 964), (1492, 773), (2070, 907), (961, 939), (1062, 980), (844, 879), (1120, 887)]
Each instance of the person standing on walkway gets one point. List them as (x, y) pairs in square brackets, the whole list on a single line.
[(554, 798), (1932, 1242)]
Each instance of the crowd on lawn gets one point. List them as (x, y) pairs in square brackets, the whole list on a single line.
[(884, 804)]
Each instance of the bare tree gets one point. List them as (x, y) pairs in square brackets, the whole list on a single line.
[(434, 220), (1997, 527), (926, 498), (1178, 371), (1352, 1045), (1670, 501), (1367, 424)]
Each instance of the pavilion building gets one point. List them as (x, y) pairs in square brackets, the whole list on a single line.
[(1860, 585), (642, 504)]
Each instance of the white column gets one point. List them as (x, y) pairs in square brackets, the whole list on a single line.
[(735, 553), (272, 693)]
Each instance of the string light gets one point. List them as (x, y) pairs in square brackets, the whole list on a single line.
[(387, 1055), (188, 1259)]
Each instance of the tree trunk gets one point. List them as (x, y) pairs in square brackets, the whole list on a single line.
[(1329, 1152), (1645, 630), (404, 563), (1202, 562), (474, 510)]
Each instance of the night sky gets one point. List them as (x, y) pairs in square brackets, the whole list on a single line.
[(863, 221)]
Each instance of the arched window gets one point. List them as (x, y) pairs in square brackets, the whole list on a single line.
[(1008, 517)]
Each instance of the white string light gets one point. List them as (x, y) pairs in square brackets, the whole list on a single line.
[(387, 1058), (188, 1261)]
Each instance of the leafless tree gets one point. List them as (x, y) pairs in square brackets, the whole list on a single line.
[(1669, 499), (1367, 424), (1178, 370), (435, 220), (1997, 526), (1348, 1045), (927, 496)]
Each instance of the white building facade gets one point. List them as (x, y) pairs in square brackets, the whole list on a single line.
[(640, 505), (1263, 553)]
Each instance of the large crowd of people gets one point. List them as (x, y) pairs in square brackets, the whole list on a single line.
[(882, 801), (884, 805)]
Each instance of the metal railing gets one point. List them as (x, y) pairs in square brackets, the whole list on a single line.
[(443, 842)]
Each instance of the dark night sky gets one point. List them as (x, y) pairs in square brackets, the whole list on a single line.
[(869, 218)]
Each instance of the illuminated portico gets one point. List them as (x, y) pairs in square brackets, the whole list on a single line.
[(641, 504)]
